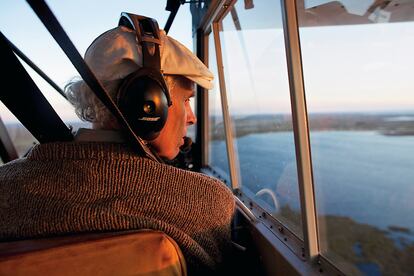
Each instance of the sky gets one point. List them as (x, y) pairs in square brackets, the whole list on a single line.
[(352, 68), (347, 68), (355, 69)]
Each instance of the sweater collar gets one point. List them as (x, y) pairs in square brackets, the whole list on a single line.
[(99, 135), (81, 151)]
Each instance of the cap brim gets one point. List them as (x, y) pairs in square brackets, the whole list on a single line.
[(202, 82)]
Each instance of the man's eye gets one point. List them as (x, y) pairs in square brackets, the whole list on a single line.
[(187, 100)]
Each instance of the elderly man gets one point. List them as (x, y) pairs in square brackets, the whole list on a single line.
[(98, 183)]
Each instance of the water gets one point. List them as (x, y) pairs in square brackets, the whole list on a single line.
[(371, 269), (359, 174)]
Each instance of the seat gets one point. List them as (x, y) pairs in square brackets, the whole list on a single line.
[(144, 252)]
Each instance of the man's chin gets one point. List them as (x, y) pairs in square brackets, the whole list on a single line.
[(170, 155)]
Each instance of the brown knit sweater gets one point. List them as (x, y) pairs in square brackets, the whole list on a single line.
[(63, 188)]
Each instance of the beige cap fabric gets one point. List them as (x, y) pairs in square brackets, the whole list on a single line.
[(116, 54)]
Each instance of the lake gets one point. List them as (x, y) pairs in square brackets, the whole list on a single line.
[(360, 174)]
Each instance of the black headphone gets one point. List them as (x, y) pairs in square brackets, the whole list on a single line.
[(143, 96)]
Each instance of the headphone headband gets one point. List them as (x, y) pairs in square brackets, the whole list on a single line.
[(148, 37)]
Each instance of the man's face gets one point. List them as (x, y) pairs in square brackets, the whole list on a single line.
[(180, 115)]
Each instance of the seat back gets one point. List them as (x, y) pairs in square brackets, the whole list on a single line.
[(144, 252)]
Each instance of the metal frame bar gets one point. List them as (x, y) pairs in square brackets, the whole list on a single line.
[(173, 12), (217, 10), (264, 238), (301, 128), (280, 230), (231, 154), (211, 14), (202, 127)]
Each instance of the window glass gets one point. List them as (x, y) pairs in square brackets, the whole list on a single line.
[(22, 139), (217, 143), (62, 107), (357, 61), (191, 130), (256, 78)]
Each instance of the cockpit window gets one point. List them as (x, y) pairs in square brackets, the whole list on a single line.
[(359, 87), (259, 103), (21, 138)]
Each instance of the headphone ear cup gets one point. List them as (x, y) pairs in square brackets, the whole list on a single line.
[(143, 101)]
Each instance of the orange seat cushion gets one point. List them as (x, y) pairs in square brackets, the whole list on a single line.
[(144, 252)]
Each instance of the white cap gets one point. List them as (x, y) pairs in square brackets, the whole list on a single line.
[(116, 54)]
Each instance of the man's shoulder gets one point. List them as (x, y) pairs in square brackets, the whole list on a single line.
[(12, 171), (198, 181), (190, 174)]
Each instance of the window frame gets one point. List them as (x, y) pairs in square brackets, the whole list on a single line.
[(307, 250)]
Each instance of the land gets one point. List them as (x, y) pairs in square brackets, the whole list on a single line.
[(385, 124), (350, 244), (393, 124)]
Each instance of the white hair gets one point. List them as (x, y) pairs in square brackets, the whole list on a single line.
[(89, 108)]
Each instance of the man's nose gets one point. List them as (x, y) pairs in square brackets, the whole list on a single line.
[(191, 118)]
